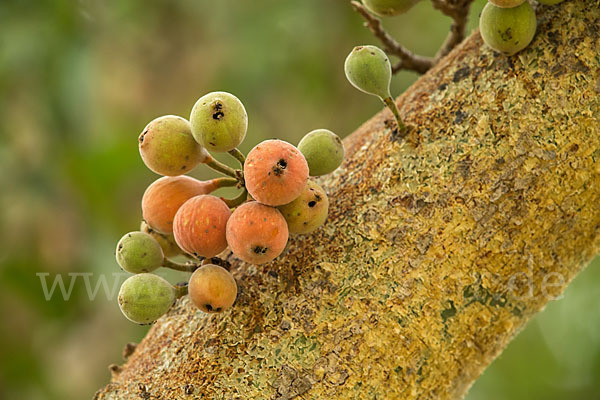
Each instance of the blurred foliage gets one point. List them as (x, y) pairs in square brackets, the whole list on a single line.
[(78, 82)]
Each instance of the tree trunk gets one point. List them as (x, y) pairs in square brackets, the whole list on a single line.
[(432, 258)]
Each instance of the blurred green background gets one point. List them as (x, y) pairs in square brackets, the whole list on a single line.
[(79, 79)]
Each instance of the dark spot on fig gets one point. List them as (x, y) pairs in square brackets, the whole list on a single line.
[(280, 167), (144, 254), (260, 250), (312, 203), (141, 138), (120, 247), (218, 309), (183, 167), (218, 113), (208, 307), (506, 35)]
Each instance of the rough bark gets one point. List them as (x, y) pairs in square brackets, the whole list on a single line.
[(432, 259)]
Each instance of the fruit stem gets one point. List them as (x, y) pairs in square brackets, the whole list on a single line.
[(238, 155), (219, 166), (181, 290), (224, 182), (187, 267), (389, 102), (240, 199)]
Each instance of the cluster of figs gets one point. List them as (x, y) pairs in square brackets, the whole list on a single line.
[(183, 217)]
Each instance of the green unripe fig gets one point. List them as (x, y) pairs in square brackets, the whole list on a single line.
[(219, 121), (144, 298), (506, 3), (550, 2), (168, 148), (369, 70), (389, 8), (166, 242), (139, 252), (307, 212), (508, 30), (323, 150)]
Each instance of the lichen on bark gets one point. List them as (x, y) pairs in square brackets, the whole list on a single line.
[(433, 257)]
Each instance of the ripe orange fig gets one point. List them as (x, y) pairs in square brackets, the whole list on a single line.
[(275, 172), (256, 233), (165, 195), (212, 288), (199, 226)]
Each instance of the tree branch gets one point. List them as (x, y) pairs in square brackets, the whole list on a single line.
[(432, 259), (408, 60), (459, 12)]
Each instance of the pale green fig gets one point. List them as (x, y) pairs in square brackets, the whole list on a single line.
[(144, 298), (139, 252), (219, 121), (369, 70), (168, 148), (323, 150), (508, 30)]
